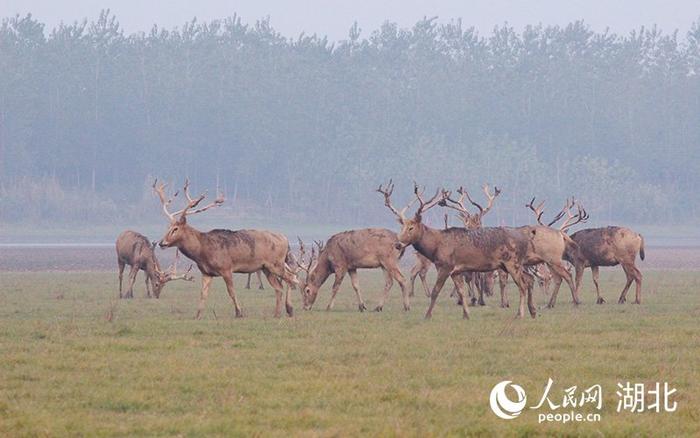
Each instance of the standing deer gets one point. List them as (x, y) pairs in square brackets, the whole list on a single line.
[(607, 246), (220, 253), (458, 250), (476, 280), (346, 252), (137, 251), (421, 268)]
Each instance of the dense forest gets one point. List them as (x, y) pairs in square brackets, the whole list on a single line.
[(304, 129)]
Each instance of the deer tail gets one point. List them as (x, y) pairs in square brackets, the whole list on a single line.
[(641, 247)]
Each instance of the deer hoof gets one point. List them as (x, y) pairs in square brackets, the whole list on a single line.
[(621, 301), (239, 314), (505, 305), (428, 315), (378, 308), (362, 307), (465, 316), (550, 305), (600, 300), (290, 311), (637, 302), (473, 302), (406, 308), (482, 303)]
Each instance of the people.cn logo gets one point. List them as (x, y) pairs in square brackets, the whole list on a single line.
[(504, 407)]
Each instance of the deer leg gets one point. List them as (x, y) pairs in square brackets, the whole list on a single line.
[(388, 282), (630, 279), (557, 284), (356, 285), (479, 287), (121, 275), (414, 274), (562, 272), (595, 274), (458, 280), (518, 278), (228, 279), (443, 273), (260, 282), (206, 281), (395, 272), (423, 279), (132, 278), (247, 284), (638, 286), (502, 283), (339, 276), (279, 291), (148, 288)]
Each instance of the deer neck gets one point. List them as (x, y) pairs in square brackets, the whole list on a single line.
[(191, 244), (320, 272), (428, 242)]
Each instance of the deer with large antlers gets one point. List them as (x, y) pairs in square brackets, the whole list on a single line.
[(549, 245), (481, 281), (457, 250), (345, 253), (606, 246), (220, 253), (134, 249)]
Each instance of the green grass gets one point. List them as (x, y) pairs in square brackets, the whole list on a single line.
[(153, 370)]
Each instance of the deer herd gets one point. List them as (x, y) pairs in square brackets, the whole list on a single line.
[(473, 256)]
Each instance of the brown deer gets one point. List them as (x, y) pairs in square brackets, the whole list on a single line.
[(137, 251), (477, 280), (421, 268), (220, 253), (607, 246), (458, 250), (260, 283), (346, 252), (550, 245)]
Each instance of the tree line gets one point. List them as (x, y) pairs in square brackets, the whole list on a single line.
[(305, 128)]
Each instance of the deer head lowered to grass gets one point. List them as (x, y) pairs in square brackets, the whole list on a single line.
[(458, 250), (134, 249), (346, 252), (220, 253)]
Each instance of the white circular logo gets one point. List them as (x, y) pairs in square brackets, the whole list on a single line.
[(502, 406)]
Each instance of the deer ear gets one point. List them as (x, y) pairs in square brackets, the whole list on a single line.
[(153, 244), (182, 220)]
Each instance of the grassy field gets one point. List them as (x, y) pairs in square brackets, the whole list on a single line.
[(66, 369)]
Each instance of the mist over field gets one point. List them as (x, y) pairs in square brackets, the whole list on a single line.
[(299, 131)]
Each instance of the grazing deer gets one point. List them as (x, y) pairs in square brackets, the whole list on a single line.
[(260, 283), (607, 246), (137, 251), (458, 250), (220, 253), (346, 252)]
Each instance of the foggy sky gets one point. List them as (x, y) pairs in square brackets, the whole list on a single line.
[(334, 18)]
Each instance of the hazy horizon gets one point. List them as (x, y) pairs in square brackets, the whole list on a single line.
[(333, 18)]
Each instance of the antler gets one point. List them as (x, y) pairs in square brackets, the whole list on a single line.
[(192, 203), (438, 198), (490, 198), (572, 219), (320, 245), (539, 210), (171, 274), (302, 253), (387, 200), (164, 200)]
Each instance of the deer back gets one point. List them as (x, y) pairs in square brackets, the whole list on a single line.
[(136, 250)]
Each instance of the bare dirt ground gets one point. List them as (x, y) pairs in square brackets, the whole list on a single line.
[(103, 258)]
